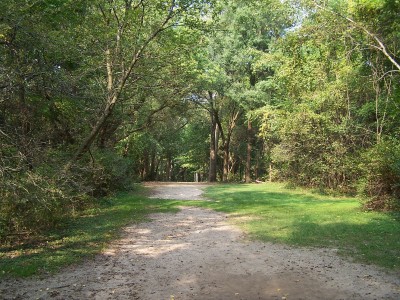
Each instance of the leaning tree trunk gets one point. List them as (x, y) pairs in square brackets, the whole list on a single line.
[(116, 86)]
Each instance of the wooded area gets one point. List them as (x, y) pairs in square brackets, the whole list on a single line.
[(96, 95)]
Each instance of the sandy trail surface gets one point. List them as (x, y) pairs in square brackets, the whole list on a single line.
[(178, 190), (197, 254)]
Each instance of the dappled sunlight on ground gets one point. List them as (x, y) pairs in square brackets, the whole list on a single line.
[(196, 254)]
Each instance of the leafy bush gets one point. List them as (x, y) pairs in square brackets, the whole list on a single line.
[(30, 203), (380, 182), (111, 172), (313, 153), (35, 200)]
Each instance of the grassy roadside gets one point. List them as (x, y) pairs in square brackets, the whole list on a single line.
[(82, 237), (271, 212), (268, 212)]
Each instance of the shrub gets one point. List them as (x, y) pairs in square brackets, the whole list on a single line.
[(380, 181), (39, 199), (111, 172), (30, 203)]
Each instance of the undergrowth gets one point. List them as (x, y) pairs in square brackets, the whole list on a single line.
[(79, 238)]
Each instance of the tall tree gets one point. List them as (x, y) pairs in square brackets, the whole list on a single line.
[(128, 33)]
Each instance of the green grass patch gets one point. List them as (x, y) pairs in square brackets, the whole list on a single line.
[(271, 212), (79, 238)]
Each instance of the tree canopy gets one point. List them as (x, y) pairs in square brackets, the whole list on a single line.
[(98, 94)]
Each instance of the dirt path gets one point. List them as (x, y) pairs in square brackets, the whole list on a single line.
[(179, 191), (196, 254)]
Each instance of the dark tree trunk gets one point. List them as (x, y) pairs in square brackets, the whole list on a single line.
[(212, 175), (227, 142), (168, 168), (152, 173), (146, 166), (226, 162), (225, 176)]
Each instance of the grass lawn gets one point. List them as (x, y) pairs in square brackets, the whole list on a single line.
[(82, 237), (271, 212)]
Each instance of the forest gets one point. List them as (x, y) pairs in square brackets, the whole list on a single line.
[(96, 95)]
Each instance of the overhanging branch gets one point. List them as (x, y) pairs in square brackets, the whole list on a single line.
[(380, 45)]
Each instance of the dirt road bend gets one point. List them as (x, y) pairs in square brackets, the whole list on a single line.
[(198, 254)]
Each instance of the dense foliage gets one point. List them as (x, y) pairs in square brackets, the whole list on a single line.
[(98, 94)]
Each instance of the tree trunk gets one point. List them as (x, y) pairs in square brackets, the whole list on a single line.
[(146, 166), (227, 142), (225, 175), (114, 90), (249, 148), (90, 138), (25, 125), (257, 166), (168, 168), (212, 175), (270, 172), (152, 173)]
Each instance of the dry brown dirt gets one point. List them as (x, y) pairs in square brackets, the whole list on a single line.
[(198, 254)]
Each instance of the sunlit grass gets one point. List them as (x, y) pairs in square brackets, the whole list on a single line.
[(271, 212)]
